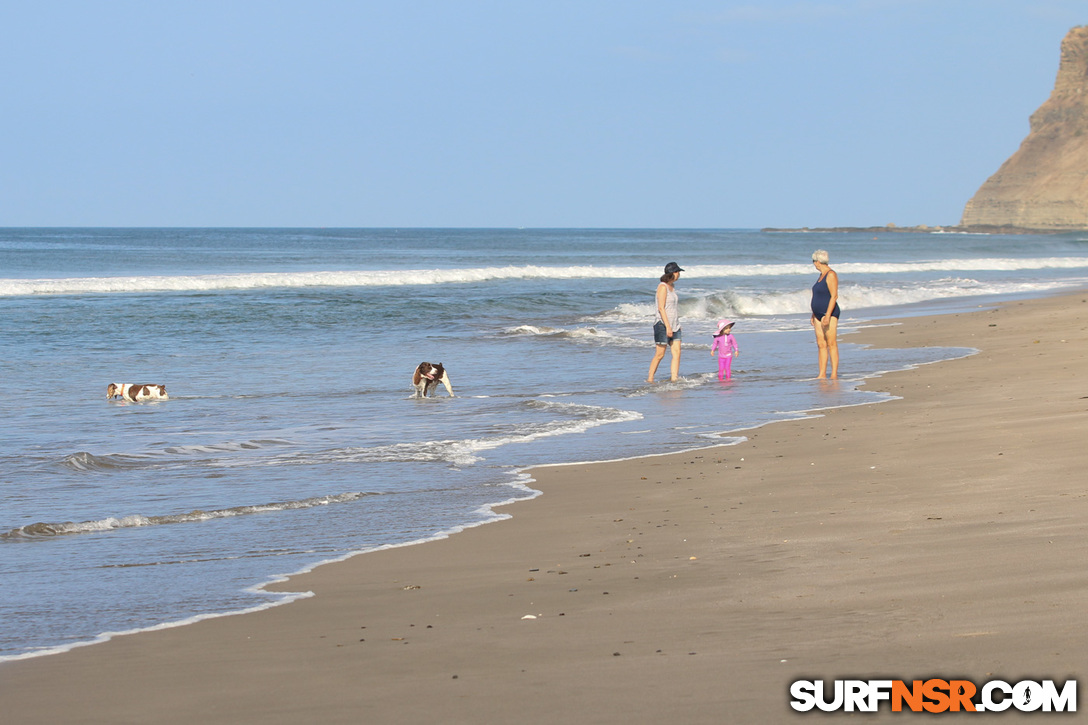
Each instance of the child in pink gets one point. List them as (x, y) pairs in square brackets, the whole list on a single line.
[(725, 346)]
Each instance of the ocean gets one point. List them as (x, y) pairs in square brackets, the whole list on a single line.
[(292, 437)]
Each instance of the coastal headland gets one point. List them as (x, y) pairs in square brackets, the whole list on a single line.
[(1042, 188), (939, 534), (1043, 185)]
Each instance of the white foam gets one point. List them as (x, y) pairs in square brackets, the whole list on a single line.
[(530, 330), (593, 335), (357, 278), (387, 278), (465, 452)]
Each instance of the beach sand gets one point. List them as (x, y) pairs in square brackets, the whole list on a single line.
[(942, 534)]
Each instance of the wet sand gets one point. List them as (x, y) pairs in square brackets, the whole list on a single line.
[(940, 534)]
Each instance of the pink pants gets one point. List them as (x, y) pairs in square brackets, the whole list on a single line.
[(725, 365)]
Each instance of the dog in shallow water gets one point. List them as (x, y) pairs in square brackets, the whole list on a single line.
[(136, 392), (427, 377)]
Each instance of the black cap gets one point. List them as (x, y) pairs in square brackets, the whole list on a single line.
[(672, 267)]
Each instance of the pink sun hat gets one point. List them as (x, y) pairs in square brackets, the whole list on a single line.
[(722, 324)]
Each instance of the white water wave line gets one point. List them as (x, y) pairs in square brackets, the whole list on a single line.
[(170, 456), (386, 278), (592, 335), (46, 529), (463, 452)]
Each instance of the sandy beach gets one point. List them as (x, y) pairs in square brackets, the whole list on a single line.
[(941, 534)]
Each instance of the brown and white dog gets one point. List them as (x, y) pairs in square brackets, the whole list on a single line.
[(136, 392), (427, 377)]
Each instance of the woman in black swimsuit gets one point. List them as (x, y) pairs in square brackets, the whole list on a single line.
[(825, 314)]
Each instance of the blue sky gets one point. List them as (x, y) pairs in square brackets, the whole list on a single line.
[(581, 113)]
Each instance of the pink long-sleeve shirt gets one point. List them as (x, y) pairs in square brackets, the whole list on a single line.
[(726, 345)]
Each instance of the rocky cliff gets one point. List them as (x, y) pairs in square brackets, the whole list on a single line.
[(1044, 185)]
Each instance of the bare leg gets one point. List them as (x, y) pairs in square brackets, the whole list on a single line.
[(446, 381), (821, 343), (659, 354), (674, 368), (833, 346)]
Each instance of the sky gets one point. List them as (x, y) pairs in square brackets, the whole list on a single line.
[(511, 113)]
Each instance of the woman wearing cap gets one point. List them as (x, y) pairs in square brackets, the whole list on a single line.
[(825, 313), (667, 327)]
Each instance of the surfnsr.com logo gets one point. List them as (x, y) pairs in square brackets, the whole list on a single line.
[(933, 695)]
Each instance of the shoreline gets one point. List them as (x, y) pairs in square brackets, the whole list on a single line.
[(694, 585)]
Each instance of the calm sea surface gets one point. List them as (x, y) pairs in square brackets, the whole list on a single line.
[(292, 437)]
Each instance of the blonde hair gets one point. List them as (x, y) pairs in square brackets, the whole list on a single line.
[(820, 255)]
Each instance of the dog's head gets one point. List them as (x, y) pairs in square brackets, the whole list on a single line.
[(113, 389), (435, 371), (428, 371)]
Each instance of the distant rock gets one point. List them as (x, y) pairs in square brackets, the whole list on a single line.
[(891, 227), (1044, 185)]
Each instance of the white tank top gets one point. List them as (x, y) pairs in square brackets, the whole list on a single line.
[(671, 304)]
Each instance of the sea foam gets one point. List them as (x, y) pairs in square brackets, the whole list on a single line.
[(391, 278)]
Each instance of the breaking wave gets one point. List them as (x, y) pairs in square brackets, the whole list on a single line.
[(851, 297), (592, 335), (386, 278)]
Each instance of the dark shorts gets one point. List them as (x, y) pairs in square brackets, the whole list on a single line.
[(660, 337)]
